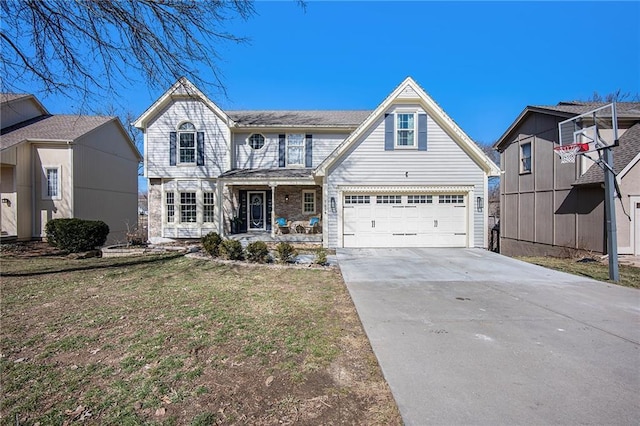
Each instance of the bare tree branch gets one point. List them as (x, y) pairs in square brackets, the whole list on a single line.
[(91, 48)]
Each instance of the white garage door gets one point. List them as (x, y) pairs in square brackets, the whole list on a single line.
[(416, 220)]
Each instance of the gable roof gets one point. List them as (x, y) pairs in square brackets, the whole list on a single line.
[(182, 88), (410, 91), (624, 156), (346, 119), (624, 110), (51, 128)]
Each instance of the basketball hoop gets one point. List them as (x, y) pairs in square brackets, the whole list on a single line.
[(568, 153)]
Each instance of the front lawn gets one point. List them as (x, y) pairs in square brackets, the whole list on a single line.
[(184, 341), (629, 275)]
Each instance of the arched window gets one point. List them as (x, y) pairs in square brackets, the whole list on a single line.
[(187, 143), (256, 141)]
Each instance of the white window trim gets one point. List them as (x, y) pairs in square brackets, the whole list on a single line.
[(286, 151), (45, 183), (195, 144), (396, 129), (248, 141), (521, 157), (204, 206), (166, 208), (315, 202)]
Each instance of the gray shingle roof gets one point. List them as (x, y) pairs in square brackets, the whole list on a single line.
[(8, 97), (51, 127), (269, 173), (298, 118), (623, 109), (622, 155)]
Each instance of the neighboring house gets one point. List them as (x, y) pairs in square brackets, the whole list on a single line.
[(550, 208), (63, 166), (402, 175)]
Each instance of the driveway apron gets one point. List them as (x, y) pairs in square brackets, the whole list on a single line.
[(467, 336)]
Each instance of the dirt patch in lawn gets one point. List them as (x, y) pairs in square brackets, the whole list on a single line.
[(186, 341)]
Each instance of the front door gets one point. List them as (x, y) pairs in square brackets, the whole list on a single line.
[(256, 212)]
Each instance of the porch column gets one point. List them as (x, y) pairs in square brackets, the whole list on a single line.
[(220, 187), (273, 210)]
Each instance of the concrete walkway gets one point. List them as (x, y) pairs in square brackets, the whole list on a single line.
[(466, 336)]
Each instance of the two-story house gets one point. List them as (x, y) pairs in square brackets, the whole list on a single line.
[(553, 209), (64, 166), (402, 175)]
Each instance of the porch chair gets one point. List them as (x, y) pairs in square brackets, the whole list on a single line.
[(314, 224), (283, 225)]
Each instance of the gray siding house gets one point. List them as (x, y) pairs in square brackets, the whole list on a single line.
[(550, 208), (402, 175)]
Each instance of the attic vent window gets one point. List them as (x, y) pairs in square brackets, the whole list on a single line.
[(256, 141)]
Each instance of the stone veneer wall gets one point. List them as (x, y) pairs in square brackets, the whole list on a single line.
[(155, 208), (292, 209)]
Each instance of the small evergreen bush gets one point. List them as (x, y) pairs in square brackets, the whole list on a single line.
[(76, 235), (258, 252), (286, 253), (211, 243), (321, 257), (231, 250)]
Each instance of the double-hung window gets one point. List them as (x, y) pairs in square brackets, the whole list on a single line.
[(309, 201), (51, 187), (405, 129), (171, 207), (295, 149), (525, 158), (208, 207), (187, 143), (188, 207)]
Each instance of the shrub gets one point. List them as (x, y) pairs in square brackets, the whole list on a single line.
[(76, 235), (211, 243), (258, 252), (231, 250), (321, 257), (286, 253)]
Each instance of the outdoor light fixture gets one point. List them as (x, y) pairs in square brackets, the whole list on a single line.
[(479, 204), (286, 198), (333, 205)]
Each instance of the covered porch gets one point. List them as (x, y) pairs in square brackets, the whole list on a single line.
[(281, 204)]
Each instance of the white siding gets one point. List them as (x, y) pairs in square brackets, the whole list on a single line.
[(267, 156), (443, 164), (216, 141)]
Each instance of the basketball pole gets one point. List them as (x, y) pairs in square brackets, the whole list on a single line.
[(609, 203)]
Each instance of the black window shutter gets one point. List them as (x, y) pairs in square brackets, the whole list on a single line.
[(422, 132), (388, 132), (173, 136), (200, 153), (282, 150), (308, 151)]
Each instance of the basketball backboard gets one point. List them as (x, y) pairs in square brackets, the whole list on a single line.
[(598, 128)]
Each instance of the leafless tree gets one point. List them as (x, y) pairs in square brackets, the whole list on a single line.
[(617, 96), (91, 48)]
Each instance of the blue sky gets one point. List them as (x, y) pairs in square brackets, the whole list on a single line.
[(481, 62)]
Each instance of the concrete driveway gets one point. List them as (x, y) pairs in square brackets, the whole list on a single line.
[(466, 336)]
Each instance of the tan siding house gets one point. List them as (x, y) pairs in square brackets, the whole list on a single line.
[(61, 166), (550, 208)]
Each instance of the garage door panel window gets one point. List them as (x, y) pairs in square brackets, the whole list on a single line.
[(451, 199), (419, 199), (357, 199), (388, 199)]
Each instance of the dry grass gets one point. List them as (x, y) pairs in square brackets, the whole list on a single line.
[(184, 341), (595, 269)]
